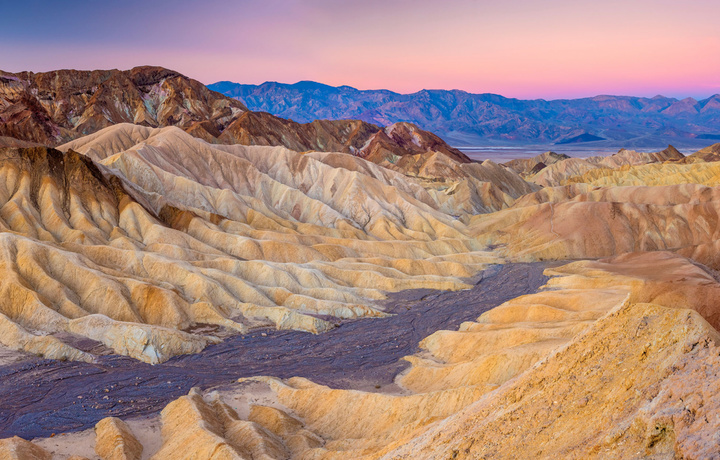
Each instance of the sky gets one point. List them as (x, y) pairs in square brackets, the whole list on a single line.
[(546, 49)]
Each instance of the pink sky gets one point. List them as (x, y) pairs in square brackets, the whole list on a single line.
[(521, 48)]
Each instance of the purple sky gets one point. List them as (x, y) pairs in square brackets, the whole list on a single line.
[(518, 48)]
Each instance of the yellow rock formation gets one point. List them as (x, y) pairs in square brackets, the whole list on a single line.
[(602, 222), (115, 441), (19, 449), (653, 174), (613, 359), (572, 170), (167, 231), (134, 236)]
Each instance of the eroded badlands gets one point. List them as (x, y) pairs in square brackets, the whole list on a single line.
[(183, 253)]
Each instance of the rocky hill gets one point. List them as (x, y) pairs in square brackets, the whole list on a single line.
[(134, 234), (55, 107), (464, 118)]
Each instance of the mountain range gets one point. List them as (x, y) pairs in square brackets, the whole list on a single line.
[(464, 119), (55, 107)]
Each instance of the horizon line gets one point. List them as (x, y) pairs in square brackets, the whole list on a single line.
[(470, 92), (547, 99)]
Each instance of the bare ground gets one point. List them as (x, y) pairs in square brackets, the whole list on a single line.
[(39, 397)]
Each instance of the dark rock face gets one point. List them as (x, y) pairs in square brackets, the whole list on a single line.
[(53, 107), (349, 136), (466, 119), (411, 139), (259, 128)]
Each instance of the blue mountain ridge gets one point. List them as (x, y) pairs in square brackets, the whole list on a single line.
[(464, 119)]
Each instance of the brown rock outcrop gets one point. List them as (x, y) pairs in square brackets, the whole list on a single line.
[(53, 107), (529, 166), (405, 139)]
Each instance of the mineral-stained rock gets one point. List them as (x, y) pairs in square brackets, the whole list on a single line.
[(602, 222), (586, 302), (52, 107), (529, 166), (406, 140), (572, 170), (115, 441), (615, 359), (707, 154)]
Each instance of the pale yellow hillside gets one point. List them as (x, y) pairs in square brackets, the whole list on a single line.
[(602, 222), (168, 231), (612, 360)]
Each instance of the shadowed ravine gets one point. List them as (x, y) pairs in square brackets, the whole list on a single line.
[(40, 397)]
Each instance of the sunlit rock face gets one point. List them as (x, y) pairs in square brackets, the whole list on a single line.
[(160, 237), (550, 169), (135, 235), (581, 221), (613, 359)]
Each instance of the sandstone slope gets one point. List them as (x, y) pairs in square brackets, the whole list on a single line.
[(568, 170), (530, 166), (707, 154), (581, 221), (167, 232), (615, 359)]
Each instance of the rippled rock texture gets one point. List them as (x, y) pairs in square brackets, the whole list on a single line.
[(613, 359), (206, 243), (135, 235)]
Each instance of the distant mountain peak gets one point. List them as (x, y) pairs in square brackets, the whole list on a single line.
[(312, 85)]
